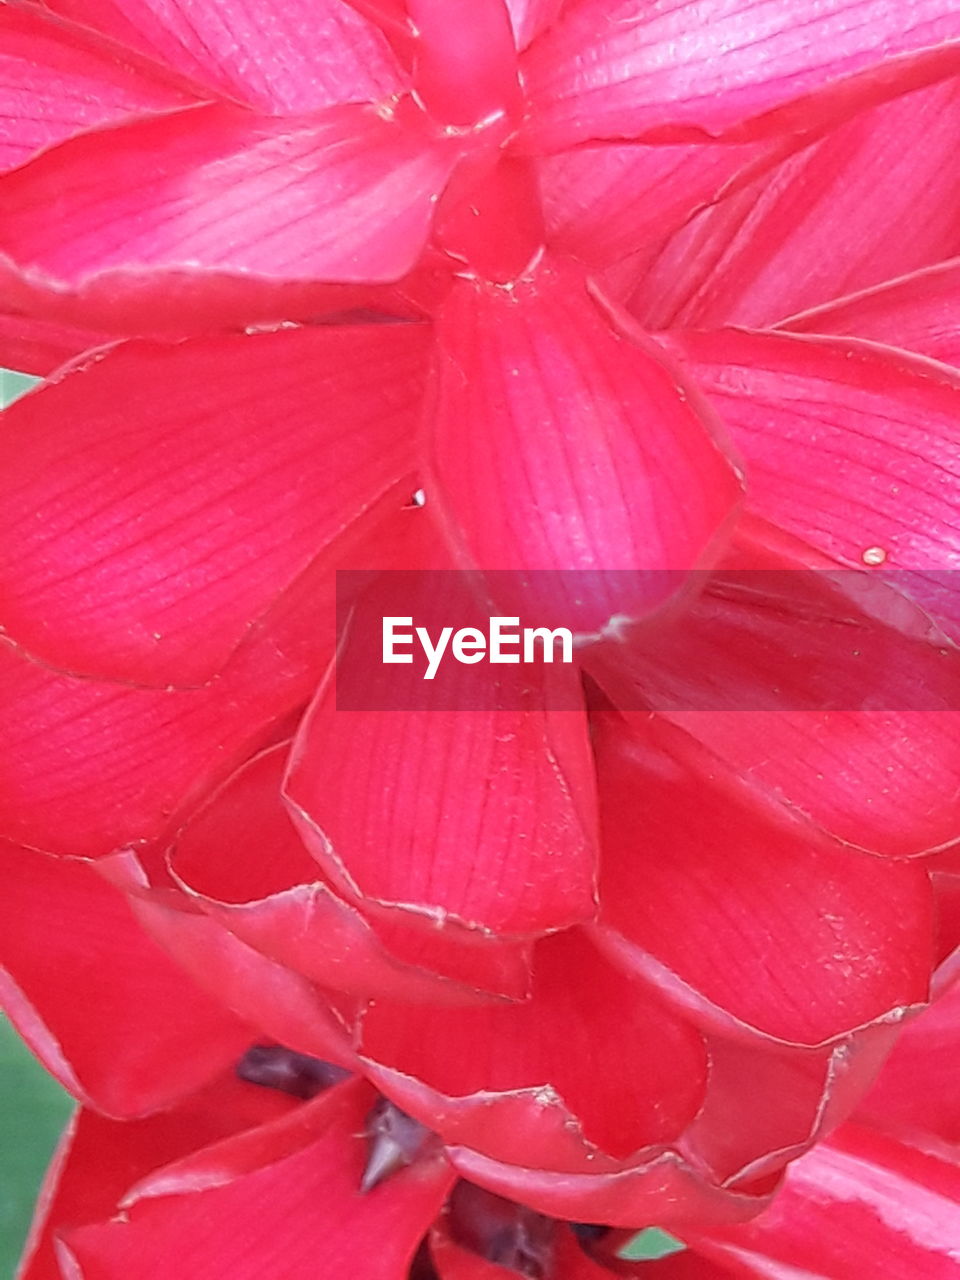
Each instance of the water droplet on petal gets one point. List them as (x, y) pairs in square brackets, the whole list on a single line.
[(873, 556)]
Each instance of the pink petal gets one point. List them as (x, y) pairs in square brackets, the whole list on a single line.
[(530, 17), (629, 69), (857, 1205), (919, 313), (286, 59), (586, 1073), (729, 907), (847, 212), (57, 79), (465, 61), (603, 203), (849, 447), (243, 213), (301, 1204), (242, 861), (195, 483), (823, 688), (91, 767), (111, 1016), (548, 412)]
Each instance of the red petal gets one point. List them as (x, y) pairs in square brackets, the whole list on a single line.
[(628, 69), (858, 1205), (465, 61), (296, 57), (241, 859), (92, 767), (241, 212), (57, 79), (272, 1215), (41, 346), (111, 1016), (588, 1069), (739, 916), (603, 203), (547, 414), (530, 17), (195, 483), (665, 1190), (919, 313), (850, 447), (483, 820), (850, 211)]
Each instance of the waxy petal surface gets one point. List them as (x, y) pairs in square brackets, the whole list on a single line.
[(249, 205), (860, 1204), (39, 347), (192, 486), (850, 211), (589, 1071), (920, 313), (633, 68), (110, 1015), (556, 438), (243, 862), (300, 1204), (57, 79), (299, 56), (92, 767), (737, 915)]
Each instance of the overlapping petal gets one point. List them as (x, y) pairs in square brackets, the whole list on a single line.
[(192, 486), (589, 1071), (851, 210), (631, 69), (282, 59), (558, 439), (239, 217), (729, 907), (118, 1023), (57, 80)]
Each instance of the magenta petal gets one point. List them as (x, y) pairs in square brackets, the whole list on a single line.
[(57, 79), (919, 313), (852, 210), (587, 1072), (736, 914), (110, 1015), (858, 1205), (559, 439), (287, 58), (530, 17), (195, 483), (632, 68), (41, 346), (246, 204)]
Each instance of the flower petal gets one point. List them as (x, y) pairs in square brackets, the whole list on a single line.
[(241, 860), (242, 215), (194, 484), (859, 1204), (850, 447), (919, 313), (39, 347), (301, 1203), (547, 413), (57, 79), (286, 59), (585, 1074), (740, 917), (111, 1016), (852, 210), (92, 767), (631, 68)]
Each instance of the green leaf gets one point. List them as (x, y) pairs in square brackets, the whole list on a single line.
[(13, 385), (651, 1243), (33, 1111)]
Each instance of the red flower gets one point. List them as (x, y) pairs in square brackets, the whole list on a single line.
[(626, 942)]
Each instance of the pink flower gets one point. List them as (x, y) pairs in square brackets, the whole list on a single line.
[(441, 287)]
